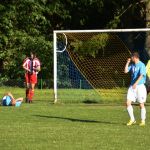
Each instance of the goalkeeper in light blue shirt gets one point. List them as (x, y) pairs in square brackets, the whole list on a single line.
[(137, 90)]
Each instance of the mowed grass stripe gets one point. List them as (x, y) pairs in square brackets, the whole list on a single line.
[(69, 127)]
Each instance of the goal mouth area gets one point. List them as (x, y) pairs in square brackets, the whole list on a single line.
[(99, 59)]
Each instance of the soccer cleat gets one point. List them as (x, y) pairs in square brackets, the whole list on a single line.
[(142, 123), (131, 123), (30, 101)]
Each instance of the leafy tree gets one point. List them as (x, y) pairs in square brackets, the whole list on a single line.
[(27, 25)]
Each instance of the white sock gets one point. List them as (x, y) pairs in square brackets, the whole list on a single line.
[(130, 112), (143, 114)]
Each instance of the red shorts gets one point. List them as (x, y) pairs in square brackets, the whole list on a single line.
[(31, 78)]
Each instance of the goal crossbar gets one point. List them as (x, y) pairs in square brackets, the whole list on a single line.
[(103, 30)]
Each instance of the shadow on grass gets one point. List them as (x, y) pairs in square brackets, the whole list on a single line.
[(89, 101), (78, 120)]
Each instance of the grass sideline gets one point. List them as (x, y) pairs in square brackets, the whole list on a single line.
[(43, 125)]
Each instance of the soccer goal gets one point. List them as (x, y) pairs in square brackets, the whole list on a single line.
[(89, 64)]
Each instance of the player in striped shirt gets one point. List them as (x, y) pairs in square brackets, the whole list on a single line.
[(32, 66)]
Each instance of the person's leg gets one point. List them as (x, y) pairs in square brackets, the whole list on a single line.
[(27, 80), (130, 110), (31, 92), (142, 95), (27, 92), (143, 114), (33, 83), (131, 96)]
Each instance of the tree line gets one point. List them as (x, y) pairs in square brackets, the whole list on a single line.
[(27, 25)]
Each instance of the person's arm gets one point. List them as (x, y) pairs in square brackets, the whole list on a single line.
[(25, 65), (148, 69), (13, 101), (9, 94), (19, 99), (26, 69), (38, 65), (126, 69), (147, 66), (137, 81)]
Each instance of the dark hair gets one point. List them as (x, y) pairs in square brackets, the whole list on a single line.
[(33, 53), (135, 54)]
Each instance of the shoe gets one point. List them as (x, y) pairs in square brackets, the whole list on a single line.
[(142, 123), (131, 123), (30, 101)]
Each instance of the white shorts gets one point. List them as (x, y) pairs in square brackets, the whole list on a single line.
[(139, 94)]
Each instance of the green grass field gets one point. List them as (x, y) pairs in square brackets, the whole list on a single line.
[(69, 126)]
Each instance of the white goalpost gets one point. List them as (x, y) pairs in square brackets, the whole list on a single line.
[(55, 61), (75, 36)]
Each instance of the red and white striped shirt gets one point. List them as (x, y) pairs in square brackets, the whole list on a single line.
[(31, 65)]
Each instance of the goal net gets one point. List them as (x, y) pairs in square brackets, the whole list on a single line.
[(89, 65)]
